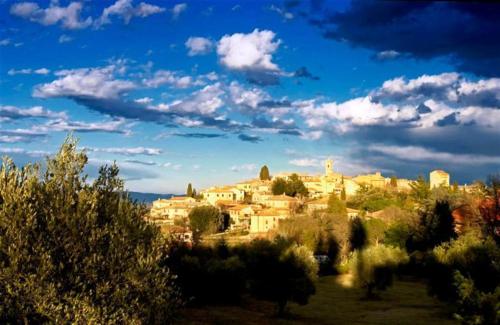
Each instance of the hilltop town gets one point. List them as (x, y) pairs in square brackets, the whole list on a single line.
[(253, 207)]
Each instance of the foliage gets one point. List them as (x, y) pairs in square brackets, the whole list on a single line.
[(375, 229), (291, 187), (436, 227), (208, 274), (74, 252), (357, 235), (189, 191), (205, 220), (279, 273), (315, 233), (467, 271), (264, 174), (336, 206), (420, 190), (397, 234), (371, 199), (373, 267)]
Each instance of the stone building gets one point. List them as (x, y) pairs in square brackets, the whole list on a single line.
[(439, 178)]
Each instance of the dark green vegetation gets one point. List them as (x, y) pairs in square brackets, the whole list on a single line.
[(205, 220), (278, 271), (293, 186), (264, 174), (78, 252)]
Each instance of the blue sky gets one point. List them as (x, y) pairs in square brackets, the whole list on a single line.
[(207, 92)]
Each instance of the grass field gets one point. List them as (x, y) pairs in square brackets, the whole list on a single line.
[(335, 302)]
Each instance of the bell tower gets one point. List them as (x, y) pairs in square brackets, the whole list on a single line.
[(328, 167)]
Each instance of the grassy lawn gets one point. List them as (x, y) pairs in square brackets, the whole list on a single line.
[(335, 302)]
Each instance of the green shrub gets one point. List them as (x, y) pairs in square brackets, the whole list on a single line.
[(374, 266), (74, 252)]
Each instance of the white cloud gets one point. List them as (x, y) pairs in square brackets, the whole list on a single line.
[(416, 153), (87, 82), (251, 52), (5, 42), (171, 78), (31, 153), (361, 111), (65, 38), (246, 99), (306, 162), (178, 9), (198, 46), (387, 55), (13, 112), (244, 167), (144, 100), (126, 10), (69, 16), (41, 71), (312, 135), (128, 151), (205, 101)]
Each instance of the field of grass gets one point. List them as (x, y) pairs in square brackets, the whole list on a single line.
[(335, 302)]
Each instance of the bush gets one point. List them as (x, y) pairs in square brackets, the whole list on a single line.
[(74, 252), (373, 267), (467, 271), (205, 220)]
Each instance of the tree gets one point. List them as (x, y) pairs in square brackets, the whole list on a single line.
[(296, 187), (436, 227), (394, 182), (279, 186), (291, 187), (264, 174), (343, 195), (281, 273), (189, 191), (78, 252), (357, 235), (336, 206), (373, 267), (420, 190), (205, 220)]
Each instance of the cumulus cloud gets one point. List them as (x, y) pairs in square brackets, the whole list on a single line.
[(86, 82), (126, 11), (198, 46), (68, 17), (251, 54)]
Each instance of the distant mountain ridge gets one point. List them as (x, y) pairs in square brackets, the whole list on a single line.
[(148, 198)]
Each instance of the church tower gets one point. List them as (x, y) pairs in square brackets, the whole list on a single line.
[(328, 167)]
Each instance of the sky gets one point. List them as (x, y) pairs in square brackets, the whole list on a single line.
[(209, 91)]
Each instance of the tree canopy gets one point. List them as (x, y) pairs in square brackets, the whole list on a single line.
[(291, 187), (264, 173), (78, 252)]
